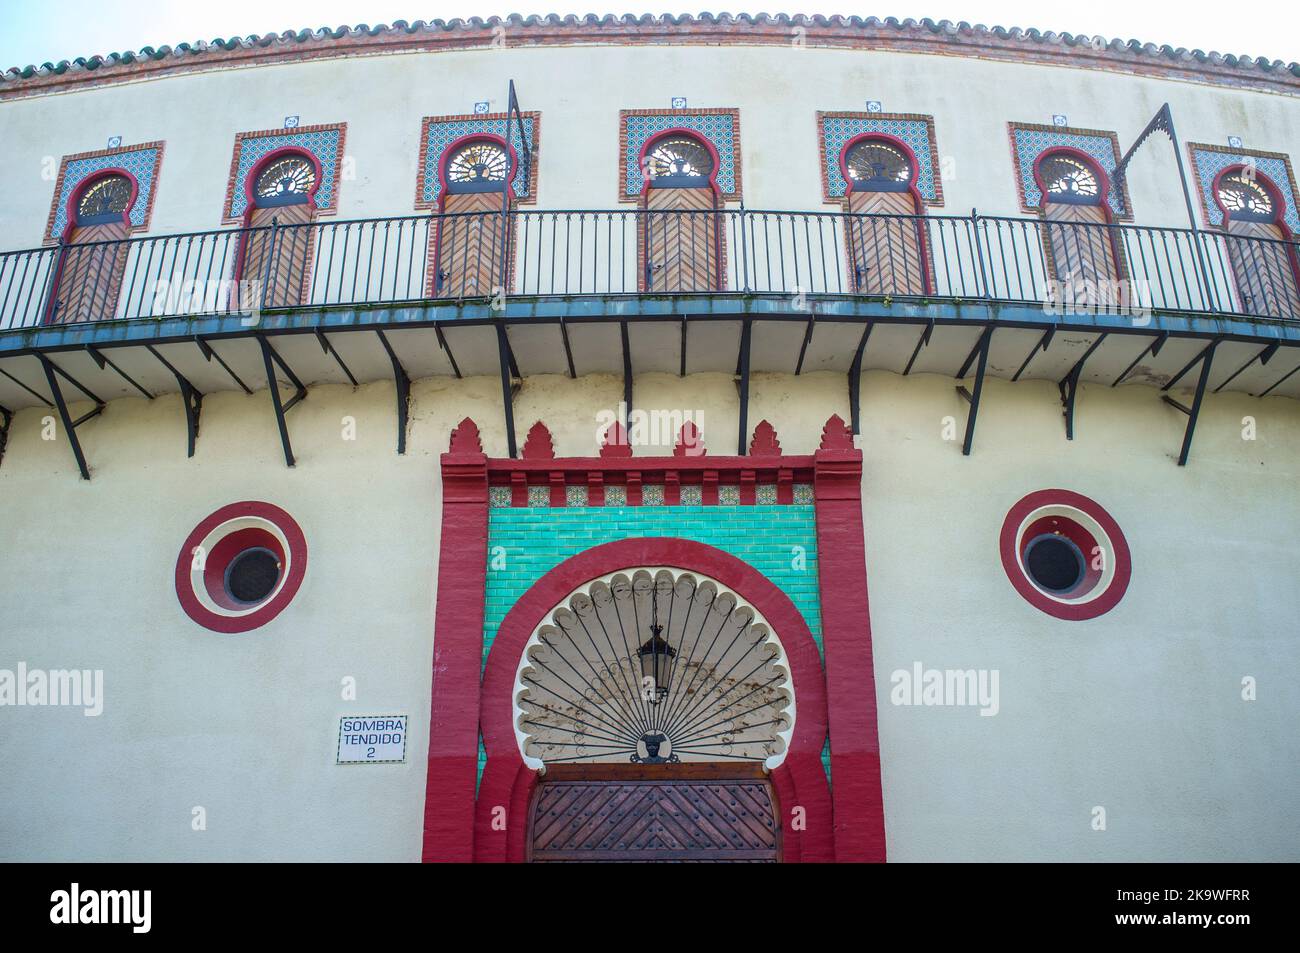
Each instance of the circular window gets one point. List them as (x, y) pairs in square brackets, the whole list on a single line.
[(877, 166), (104, 200), (1065, 554), (479, 165), (286, 181), (679, 157), (1244, 198), (1067, 179), (240, 567)]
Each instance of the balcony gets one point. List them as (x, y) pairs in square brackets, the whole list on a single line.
[(629, 291)]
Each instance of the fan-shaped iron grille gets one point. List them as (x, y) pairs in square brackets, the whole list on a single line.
[(654, 669), (878, 166), (478, 164), (1067, 179), (679, 157), (105, 198), (1243, 197), (286, 180)]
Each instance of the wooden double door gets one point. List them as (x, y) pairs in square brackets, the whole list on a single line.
[(682, 241), (1264, 270), (888, 255), (91, 267), (470, 249), (665, 813)]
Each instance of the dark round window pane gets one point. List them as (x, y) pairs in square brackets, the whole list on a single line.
[(679, 157), (1068, 179), (1054, 563), (252, 575), (290, 177), (877, 166)]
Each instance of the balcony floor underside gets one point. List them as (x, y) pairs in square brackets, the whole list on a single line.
[(670, 334)]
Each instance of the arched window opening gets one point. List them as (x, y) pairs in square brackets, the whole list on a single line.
[(682, 233), (1084, 263), (276, 251), (93, 261), (886, 233), (1261, 253), (471, 253)]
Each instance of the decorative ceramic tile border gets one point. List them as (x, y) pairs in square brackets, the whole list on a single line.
[(438, 132), (143, 162), (1208, 161), (326, 143), (720, 126), (1030, 140), (834, 129)]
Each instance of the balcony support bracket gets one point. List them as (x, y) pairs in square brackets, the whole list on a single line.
[(983, 349), (103, 361), (855, 382), (742, 385), (1069, 386), (328, 348), (1195, 410), (210, 354), (271, 360), (507, 387), (52, 373), (403, 384)]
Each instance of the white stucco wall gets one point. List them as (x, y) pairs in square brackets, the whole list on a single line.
[(778, 90), (1138, 711)]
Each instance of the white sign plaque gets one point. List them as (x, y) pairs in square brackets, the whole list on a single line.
[(372, 739)]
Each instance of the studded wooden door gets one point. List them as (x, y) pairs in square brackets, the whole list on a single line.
[(90, 274), (682, 247), (700, 813), (1264, 271), (467, 254), (887, 254), (1078, 250), (275, 264)]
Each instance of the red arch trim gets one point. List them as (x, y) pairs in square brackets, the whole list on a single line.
[(1103, 179), (501, 814), (74, 199), (250, 181), (695, 134), (917, 199), (465, 140)]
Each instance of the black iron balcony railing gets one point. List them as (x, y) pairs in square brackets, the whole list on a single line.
[(1066, 265)]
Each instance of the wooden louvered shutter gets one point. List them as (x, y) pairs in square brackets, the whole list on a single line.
[(682, 241), (1077, 251), (468, 254), (280, 257), (90, 274), (887, 254), (1263, 270)]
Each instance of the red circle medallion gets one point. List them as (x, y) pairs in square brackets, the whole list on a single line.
[(212, 587), (1065, 554)]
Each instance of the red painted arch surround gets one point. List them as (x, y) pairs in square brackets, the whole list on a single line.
[(800, 781)]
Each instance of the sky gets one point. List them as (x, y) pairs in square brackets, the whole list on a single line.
[(34, 33)]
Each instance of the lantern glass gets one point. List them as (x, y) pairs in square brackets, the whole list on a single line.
[(656, 658)]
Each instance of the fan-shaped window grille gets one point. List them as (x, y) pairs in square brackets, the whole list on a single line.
[(655, 667), (287, 181), (1244, 198), (679, 160), (876, 166), (478, 167), (1067, 179), (104, 201)]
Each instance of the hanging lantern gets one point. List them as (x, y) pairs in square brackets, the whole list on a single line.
[(656, 657)]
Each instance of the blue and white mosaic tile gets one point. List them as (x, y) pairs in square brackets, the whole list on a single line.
[(692, 496), (575, 496), (499, 496), (728, 496), (803, 494), (1032, 143), (1210, 164), (652, 494), (765, 494), (141, 163), (616, 496), (836, 131), (323, 144), (440, 135), (539, 496), (718, 128)]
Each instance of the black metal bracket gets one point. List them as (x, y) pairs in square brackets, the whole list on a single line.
[(924, 341), (1153, 349), (507, 387), (1189, 365), (52, 373), (39, 396), (271, 360), (807, 339), (982, 349), (681, 371), (1195, 411), (403, 384), (442, 343), (1263, 357), (1069, 386), (1043, 344), (191, 397), (209, 354), (328, 348), (6, 420), (568, 349), (855, 382), (742, 385), (103, 361), (625, 338)]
